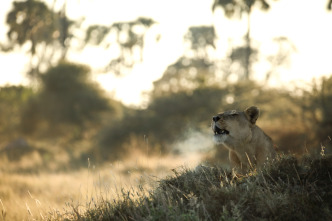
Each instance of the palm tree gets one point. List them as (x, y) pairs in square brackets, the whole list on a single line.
[(235, 8)]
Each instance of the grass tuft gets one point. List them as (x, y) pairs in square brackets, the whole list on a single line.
[(288, 189)]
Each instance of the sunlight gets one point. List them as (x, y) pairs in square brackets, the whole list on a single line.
[(158, 55), (165, 110)]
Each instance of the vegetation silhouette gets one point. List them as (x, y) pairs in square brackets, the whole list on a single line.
[(129, 42), (191, 90), (235, 9), (12, 98), (67, 97), (47, 32)]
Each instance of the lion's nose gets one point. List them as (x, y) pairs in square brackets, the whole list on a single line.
[(215, 118)]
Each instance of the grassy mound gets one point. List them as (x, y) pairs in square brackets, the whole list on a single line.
[(285, 190)]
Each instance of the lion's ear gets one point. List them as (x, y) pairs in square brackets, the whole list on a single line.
[(252, 113)]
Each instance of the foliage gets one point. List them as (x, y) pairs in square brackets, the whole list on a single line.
[(325, 100), (316, 105), (186, 96), (201, 39), (164, 121), (67, 97), (129, 39), (285, 190), (329, 5), (30, 21), (48, 33), (195, 69), (12, 98), (282, 57), (233, 8), (185, 75), (171, 114), (239, 55)]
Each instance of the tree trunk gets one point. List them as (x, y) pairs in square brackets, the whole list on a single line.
[(248, 49)]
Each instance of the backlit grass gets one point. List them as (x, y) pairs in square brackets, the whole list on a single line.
[(288, 189), (51, 195)]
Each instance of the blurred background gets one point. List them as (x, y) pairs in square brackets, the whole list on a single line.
[(97, 79)]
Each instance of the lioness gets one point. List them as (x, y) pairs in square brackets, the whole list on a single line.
[(248, 145)]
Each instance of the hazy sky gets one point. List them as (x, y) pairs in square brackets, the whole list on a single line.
[(305, 22)]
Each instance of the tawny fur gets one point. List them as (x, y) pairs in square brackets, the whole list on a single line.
[(248, 145)]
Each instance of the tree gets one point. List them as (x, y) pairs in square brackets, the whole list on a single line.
[(195, 69), (185, 75), (67, 98), (201, 39), (47, 33), (235, 8), (281, 57), (165, 121), (129, 39)]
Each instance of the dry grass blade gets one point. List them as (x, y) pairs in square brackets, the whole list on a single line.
[(284, 190), (3, 211)]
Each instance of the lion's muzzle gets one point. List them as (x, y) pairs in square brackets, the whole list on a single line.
[(217, 130)]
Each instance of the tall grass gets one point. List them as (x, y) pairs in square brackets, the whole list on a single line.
[(158, 188), (288, 189), (43, 195)]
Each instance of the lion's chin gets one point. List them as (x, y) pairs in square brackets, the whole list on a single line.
[(219, 138)]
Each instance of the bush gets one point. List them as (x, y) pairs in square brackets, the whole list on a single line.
[(163, 122), (67, 98), (12, 98), (170, 115)]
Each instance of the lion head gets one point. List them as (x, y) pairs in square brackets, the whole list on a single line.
[(248, 145), (232, 128)]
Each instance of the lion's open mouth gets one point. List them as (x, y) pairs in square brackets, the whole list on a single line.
[(217, 130)]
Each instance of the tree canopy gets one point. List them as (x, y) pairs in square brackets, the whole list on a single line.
[(67, 97), (129, 41), (47, 32), (235, 9)]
